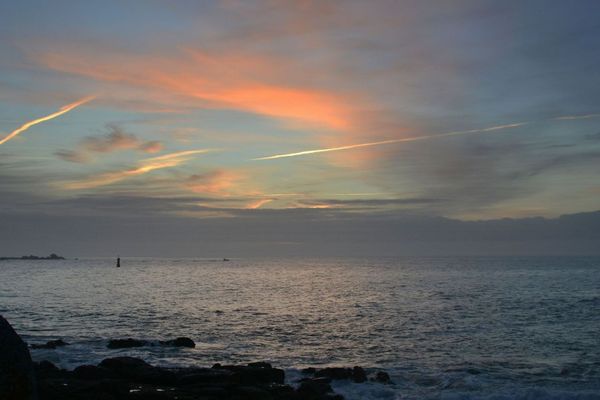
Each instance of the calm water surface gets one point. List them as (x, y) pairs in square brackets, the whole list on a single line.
[(493, 328)]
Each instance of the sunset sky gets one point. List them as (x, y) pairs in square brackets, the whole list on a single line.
[(217, 112)]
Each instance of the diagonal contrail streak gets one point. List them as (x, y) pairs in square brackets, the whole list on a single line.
[(391, 141), (63, 110)]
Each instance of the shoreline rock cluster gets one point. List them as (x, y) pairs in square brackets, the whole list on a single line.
[(130, 378)]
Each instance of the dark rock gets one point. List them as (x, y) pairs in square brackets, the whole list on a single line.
[(129, 378), (125, 343), (282, 391), (204, 375), (309, 370), (207, 391), (356, 374), (382, 377), (314, 387), (334, 373), (254, 375), (73, 389), (138, 370), (88, 372), (52, 344), (117, 363), (359, 375), (252, 393), (260, 364), (179, 342), (45, 369), (17, 378)]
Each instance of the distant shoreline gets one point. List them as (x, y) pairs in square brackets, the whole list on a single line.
[(32, 257)]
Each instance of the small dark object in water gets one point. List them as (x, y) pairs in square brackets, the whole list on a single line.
[(52, 344), (226, 259), (118, 262)]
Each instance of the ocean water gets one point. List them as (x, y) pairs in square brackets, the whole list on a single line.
[(444, 328)]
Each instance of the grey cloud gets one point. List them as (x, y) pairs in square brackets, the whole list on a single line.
[(298, 232), (593, 136), (72, 156), (479, 172), (114, 140)]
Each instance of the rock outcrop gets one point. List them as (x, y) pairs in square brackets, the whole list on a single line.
[(17, 379), (52, 344), (355, 374), (128, 378), (129, 343)]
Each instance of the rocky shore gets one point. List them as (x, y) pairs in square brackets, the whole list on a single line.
[(129, 378)]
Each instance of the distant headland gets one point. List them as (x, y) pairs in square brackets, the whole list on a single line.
[(32, 257)]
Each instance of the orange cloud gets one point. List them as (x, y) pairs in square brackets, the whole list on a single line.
[(257, 204), (219, 181), (213, 80)]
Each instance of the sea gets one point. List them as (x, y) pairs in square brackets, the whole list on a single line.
[(442, 327)]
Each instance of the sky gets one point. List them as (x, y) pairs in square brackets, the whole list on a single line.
[(331, 127)]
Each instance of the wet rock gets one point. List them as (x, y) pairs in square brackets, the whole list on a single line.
[(314, 387), (179, 342), (45, 369), (52, 344), (72, 389), (128, 378), (356, 374), (255, 374), (17, 378), (138, 370), (260, 364), (309, 370), (89, 372), (359, 375), (125, 343), (334, 373), (382, 377), (252, 393), (203, 376), (282, 391)]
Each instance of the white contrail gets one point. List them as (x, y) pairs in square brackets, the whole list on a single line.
[(391, 141), (145, 166), (569, 117), (63, 110)]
